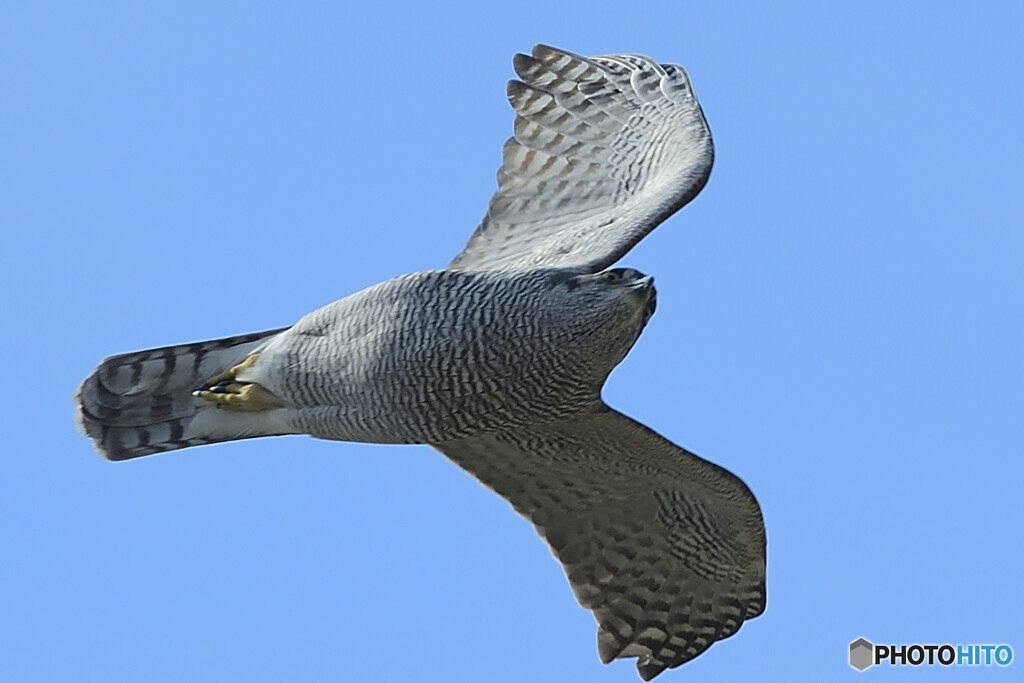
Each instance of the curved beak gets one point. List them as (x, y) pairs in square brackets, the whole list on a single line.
[(645, 287)]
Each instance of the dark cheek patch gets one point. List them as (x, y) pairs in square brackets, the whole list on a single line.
[(568, 279)]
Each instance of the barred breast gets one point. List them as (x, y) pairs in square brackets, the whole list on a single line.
[(438, 355)]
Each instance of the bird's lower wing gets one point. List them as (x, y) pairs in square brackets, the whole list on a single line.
[(667, 549)]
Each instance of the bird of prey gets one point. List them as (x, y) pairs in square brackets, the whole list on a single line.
[(498, 361)]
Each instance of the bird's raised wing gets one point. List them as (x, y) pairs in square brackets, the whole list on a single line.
[(667, 549), (605, 149)]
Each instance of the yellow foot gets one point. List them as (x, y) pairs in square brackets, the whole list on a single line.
[(230, 374), (231, 395)]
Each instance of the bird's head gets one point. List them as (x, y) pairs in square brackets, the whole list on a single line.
[(613, 305), (637, 288), (625, 291)]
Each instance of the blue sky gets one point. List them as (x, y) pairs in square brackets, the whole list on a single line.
[(839, 323)]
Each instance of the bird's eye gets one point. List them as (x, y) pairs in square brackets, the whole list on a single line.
[(610, 276)]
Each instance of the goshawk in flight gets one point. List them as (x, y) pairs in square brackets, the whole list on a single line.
[(498, 362)]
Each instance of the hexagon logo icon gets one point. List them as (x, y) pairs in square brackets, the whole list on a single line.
[(861, 654)]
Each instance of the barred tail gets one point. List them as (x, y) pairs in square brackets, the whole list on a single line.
[(141, 403)]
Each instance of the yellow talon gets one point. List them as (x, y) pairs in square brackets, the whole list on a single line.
[(230, 373), (242, 396)]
